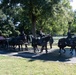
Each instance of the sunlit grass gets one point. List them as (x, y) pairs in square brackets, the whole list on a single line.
[(23, 66)]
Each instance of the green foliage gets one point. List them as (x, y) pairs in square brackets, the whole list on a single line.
[(51, 15), (15, 33)]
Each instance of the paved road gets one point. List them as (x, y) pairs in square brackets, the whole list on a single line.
[(52, 55)]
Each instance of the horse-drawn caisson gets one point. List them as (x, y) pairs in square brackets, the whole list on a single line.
[(13, 41), (39, 41), (21, 39)]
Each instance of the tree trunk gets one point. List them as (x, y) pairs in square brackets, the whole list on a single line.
[(33, 18), (34, 25)]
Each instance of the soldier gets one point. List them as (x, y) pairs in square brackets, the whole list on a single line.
[(41, 33), (69, 35), (69, 38)]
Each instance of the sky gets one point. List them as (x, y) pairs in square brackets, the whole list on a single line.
[(73, 4)]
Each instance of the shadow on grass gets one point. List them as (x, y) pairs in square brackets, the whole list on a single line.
[(52, 55)]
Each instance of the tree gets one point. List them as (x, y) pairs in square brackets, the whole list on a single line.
[(62, 15), (5, 24), (35, 9), (47, 13)]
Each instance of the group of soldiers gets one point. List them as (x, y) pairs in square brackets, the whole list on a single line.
[(41, 34)]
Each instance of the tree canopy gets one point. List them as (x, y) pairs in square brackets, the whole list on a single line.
[(53, 16)]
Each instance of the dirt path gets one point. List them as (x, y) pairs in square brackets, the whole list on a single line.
[(52, 55)]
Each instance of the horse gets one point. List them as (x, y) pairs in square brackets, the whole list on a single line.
[(40, 34), (63, 42), (3, 43), (19, 40), (41, 42), (73, 45)]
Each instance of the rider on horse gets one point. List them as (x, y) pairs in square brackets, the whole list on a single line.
[(69, 37), (40, 33)]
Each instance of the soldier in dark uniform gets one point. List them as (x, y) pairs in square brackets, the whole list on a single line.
[(69, 35), (41, 33), (22, 36)]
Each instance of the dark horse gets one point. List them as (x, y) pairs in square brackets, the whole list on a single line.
[(63, 42), (42, 34), (41, 42), (3, 43), (19, 40)]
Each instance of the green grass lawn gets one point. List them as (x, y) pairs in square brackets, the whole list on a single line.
[(23, 66)]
